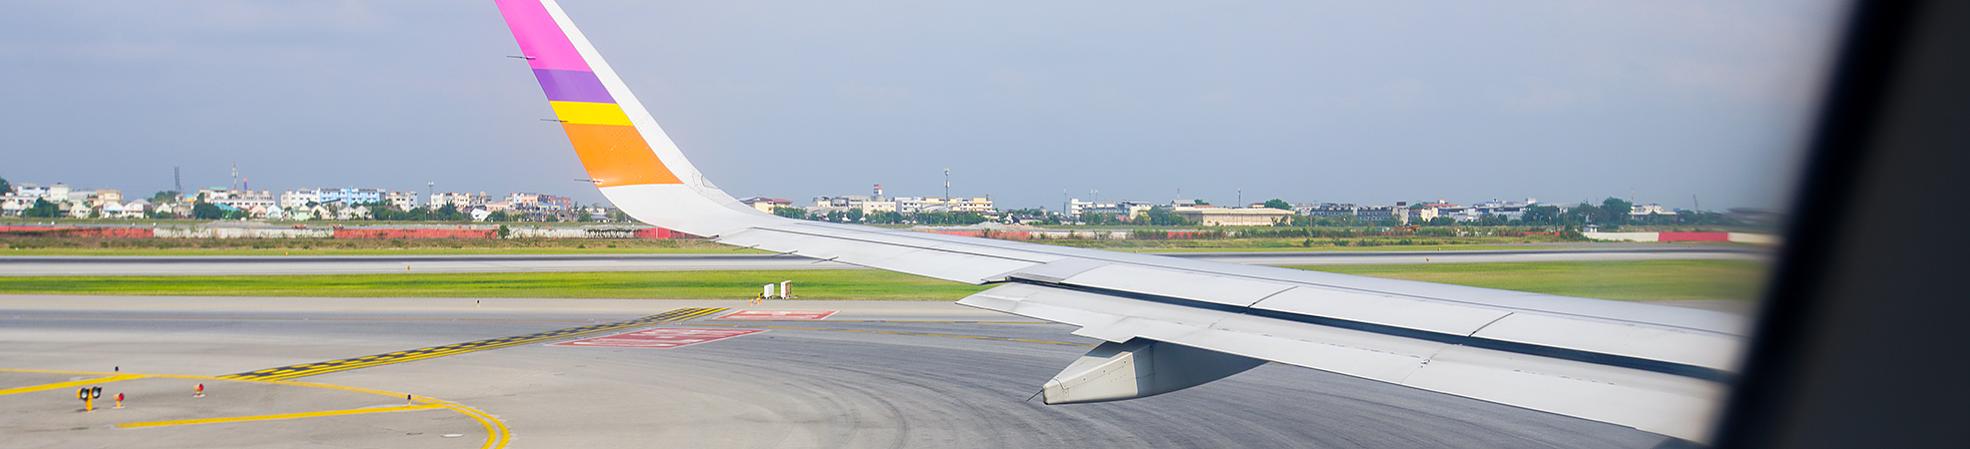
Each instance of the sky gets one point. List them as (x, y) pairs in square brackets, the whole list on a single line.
[(1674, 102)]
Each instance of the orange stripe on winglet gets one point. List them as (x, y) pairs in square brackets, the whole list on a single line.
[(617, 156)]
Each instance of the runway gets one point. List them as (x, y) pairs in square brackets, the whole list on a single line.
[(875, 374), (237, 265)]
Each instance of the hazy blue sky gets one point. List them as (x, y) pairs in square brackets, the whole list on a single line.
[(1305, 100)]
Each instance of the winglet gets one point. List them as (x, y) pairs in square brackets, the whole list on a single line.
[(624, 151)]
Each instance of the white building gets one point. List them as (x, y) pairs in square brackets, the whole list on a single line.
[(238, 199), (401, 200), (13, 205), (980, 205), (764, 204), (1121, 209), (1221, 216), (1643, 210), (31, 190), (1509, 210), (56, 193), (299, 199), (460, 200)]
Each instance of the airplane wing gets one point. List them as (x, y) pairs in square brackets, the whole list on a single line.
[(1172, 323)]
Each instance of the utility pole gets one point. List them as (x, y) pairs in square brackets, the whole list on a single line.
[(1241, 198), (235, 176), (430, 192), (947, 185), (177, 181)]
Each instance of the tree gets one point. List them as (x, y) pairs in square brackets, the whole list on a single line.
[(164, 197), (1165, 216), (499, 216), (854, 215), (1614, 211), (43, 209), (6, 187), (790, 212), (449, 213), (1280, 204), (1544, 215), (207, 211)]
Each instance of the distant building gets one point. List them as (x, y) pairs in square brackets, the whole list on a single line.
[(1125, 210), (401, 200), (539, 206), (764, 204), (904, 204), (31, 190), (1643, 210), (299, 199), (1219, 216), (350, 196), (56, 193), (13, 205), (242, 200), (460, 200)]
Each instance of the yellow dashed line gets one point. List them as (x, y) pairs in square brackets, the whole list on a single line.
[(319, 368), (72, 383), (281, 416)]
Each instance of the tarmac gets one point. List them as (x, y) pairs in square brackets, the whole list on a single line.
[(481, 374)]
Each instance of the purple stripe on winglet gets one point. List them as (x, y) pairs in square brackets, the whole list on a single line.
[(540, 38), (569, 85)]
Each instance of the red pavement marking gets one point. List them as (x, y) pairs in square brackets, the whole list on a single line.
[(662, 338), (778, 315)]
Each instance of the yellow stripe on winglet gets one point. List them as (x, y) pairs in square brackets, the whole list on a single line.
[(233, 419), (589, 113)]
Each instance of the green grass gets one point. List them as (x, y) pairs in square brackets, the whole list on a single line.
[(1622, 280), (808, 284)]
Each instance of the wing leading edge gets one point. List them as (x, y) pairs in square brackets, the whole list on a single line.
[(1171, 323)]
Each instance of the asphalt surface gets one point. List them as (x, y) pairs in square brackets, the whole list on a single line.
[(877, 374), (232, 265)]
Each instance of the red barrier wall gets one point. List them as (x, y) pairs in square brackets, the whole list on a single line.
[(1693, 236), (1001, 235), (658, 234), (73, 232), (393, 233)]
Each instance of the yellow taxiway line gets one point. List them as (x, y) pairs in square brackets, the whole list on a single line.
[(497, 434), (72, 383), (280, 416), (331, 366)]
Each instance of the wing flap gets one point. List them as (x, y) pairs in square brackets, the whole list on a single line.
[(1652, 401)]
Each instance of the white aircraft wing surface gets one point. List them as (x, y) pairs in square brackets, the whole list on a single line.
[(1172, 323)]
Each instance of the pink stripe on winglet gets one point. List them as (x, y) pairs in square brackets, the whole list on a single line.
[(540, 39)]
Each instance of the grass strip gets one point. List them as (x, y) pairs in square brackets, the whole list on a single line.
[(1620, 280)]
